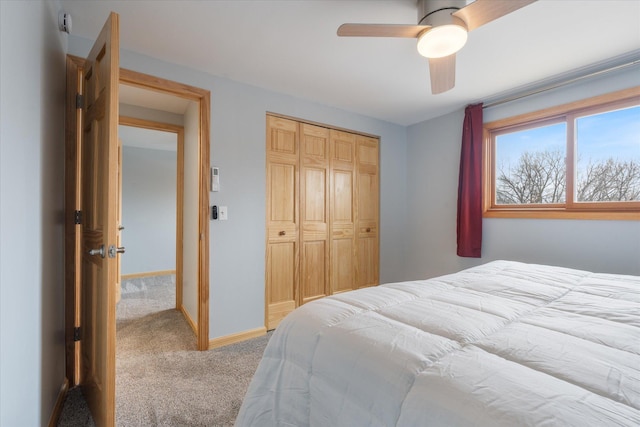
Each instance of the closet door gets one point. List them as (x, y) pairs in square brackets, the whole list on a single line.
[(314, 212), (342, 219), (367, 210), (282, 219)]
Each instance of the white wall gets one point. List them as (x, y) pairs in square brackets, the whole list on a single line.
[(238, 148), (148, 210), (434, 155), (32, 84)]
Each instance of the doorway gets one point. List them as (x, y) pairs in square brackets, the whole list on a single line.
[(151, 197), (199, 153)]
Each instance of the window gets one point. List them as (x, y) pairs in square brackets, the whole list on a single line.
[(580, 160)]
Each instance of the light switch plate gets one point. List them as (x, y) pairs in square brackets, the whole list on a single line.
[(222, 213)]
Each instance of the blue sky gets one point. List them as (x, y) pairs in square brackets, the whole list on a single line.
[(612, 134), (509, 147)]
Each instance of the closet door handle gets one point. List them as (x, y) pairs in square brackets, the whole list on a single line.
[(368, 229), (282, 233), (99, 251), (113, 250)]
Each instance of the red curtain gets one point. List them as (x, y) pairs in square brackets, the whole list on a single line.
[(469, 225)]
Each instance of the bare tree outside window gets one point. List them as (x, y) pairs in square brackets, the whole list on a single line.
[(539, 177), (609, 181)]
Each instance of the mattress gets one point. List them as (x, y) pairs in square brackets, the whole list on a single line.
[(502, 344)]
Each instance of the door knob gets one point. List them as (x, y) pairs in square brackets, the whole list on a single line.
[(99, 251), (113, 250)]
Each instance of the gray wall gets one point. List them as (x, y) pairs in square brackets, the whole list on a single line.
[(418, 174), (418, 183), (238, 149), (32, 84), (148, 210), (434, 156)]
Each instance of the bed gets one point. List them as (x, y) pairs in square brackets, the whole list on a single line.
[(501, 344)]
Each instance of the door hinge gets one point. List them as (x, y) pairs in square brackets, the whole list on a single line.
[(79, 101), (76, 334), (77, 217)]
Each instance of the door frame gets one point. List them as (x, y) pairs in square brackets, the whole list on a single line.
[(178, 130), (73, 130)]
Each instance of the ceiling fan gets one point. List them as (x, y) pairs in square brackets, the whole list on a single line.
[(441, 31)]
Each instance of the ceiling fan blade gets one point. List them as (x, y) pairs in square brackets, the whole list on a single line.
[(481, 12), (443, 73), (380, 30)]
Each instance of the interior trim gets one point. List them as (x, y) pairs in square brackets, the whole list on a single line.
[(189, 319), (322, 125), (237, 337), (147, 274), (57, 409)]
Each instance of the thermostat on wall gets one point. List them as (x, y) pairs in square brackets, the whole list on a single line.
[(215, 179)]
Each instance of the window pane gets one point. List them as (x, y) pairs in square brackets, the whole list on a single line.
[(531, 166), (608, 152)]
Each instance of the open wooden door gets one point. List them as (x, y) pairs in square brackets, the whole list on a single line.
[(99, 187)]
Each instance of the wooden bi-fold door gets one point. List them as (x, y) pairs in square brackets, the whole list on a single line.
[(322, 214), (314, 212), (367, 212), (343, 162), (282, 259)]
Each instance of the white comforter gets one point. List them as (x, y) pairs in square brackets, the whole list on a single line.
[(503, 344)]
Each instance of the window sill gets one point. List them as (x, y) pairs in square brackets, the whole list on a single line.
[(554, 213)]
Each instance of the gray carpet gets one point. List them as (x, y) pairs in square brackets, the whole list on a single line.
[(161, 380)]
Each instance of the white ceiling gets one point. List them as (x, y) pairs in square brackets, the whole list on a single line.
[(291, 47)]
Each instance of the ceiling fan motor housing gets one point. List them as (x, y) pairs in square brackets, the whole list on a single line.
[(439, 12)]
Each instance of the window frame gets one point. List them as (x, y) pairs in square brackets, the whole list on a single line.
[(568, 113)]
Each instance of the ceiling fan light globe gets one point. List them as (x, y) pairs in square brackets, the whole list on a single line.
[(441, 41)]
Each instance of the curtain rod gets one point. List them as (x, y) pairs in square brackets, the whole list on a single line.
[(559, 84)]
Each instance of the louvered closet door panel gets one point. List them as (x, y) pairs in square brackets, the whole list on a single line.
[(342, 218), (282, 265), (314, 212), (368, 208)]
